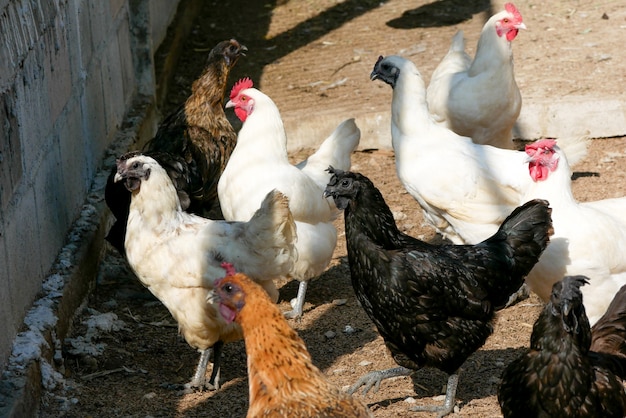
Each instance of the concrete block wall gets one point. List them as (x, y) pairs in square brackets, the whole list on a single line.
[(70, 72)]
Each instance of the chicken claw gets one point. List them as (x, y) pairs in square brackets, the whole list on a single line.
[(448, 403), (297, 304), (374, 378), (198, 382)]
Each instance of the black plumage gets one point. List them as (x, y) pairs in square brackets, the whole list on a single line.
[(193, 144), (433, 305), (559, 376)]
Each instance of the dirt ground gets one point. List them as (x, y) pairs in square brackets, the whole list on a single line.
[(300, 51)]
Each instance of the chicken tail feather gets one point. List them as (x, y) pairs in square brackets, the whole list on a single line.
[(608, 335), (523, 236), (273, 231)]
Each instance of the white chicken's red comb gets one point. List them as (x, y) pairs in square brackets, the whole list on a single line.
[(547, 143), (244, 83), (510, 7), (230, 269)]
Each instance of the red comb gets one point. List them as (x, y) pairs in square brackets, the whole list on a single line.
[(510, 7), (230, 269), (244, 83), (548, 143)]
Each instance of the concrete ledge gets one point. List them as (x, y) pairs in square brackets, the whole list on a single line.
[(572, 117)]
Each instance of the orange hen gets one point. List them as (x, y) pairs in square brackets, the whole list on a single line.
[(282, 378)]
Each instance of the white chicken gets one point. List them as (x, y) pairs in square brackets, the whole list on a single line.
[(589, 237), (480, 98), (260, 163), (178, 255), (465, 189)]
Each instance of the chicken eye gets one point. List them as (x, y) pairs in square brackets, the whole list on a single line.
[(135, 165), (228, 288), (505, 20), (345, 183)]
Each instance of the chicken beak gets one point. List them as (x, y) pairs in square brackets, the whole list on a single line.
[(521, 26), (229, 104), (118, 177)]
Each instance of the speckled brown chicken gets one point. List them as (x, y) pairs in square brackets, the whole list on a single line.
[(283, 380), (193, 143)]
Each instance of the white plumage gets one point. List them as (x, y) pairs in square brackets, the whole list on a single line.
[(589, 237), (260, 163), (479, 98), (465, 189), (178, 256)]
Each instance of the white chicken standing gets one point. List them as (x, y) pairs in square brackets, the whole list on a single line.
[(260, 163), (480, 98), (589, 237), (178, 255), (466, 190)]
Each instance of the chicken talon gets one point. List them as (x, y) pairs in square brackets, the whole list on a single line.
[(374, 378), (448, 403), (298, 303)]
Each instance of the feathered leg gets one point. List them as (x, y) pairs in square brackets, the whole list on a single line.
[(448, 403), (299, 302)]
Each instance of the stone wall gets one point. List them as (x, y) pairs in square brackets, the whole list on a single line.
[(70, 73)]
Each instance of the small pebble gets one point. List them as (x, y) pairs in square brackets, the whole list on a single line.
[(330, 334), (339, 302), (349, 330), (365, 363)]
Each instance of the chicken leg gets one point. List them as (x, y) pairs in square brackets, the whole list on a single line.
[(448, 403), (298, 303), (373, 379), (199, 377)]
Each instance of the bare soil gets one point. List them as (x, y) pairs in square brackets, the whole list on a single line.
[(300, 51)]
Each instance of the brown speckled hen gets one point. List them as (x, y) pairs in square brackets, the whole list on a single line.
[(560, 376), (193, 144), (433, 305), (283, 380)]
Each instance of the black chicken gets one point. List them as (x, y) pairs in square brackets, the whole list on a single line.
[(193, 144), (560, 376), (433, 305), (608, 335)]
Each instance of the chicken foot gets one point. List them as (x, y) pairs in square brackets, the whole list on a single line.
[(448, 403), (374, 379), (198, 381), (298, 303)]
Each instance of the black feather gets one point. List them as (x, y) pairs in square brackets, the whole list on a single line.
[(560, 376), (193, 144), (433, 305)]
